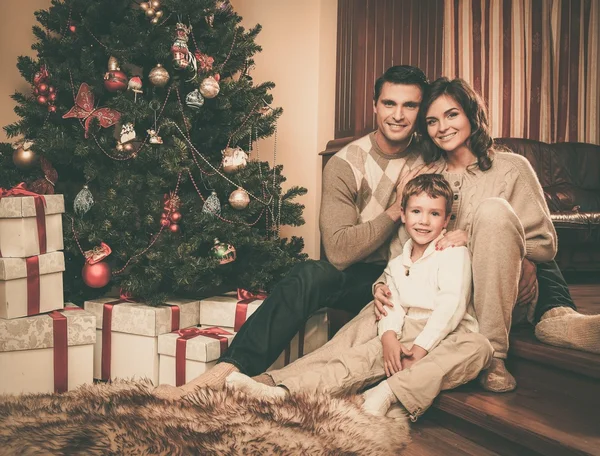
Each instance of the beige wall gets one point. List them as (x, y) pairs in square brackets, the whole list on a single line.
[(299, 45), (16, 39)]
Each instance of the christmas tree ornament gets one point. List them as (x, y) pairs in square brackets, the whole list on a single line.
[(239, 199), (209, 87), (174, 228), (144, 5), (42, 100), (153, 132), (83, 201), (44, 185), (43, 88), (44, 92), (127, 133), (96, 272), (114, 78), (179, 49), (165, 222), (84, 109), (159, 76), (210, 20), (135, 85), (223, 6), (234, 158), (225, 253), (212, 205), (72, 28), (194, 100), (23, 157), (176, 217), (204, 62), (51, 108), (170, 217)]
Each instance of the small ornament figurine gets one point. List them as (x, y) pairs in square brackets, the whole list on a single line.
[(114, 78), (96, 272), (209, 87), (234, 158), (225, 253), (23, 157), (44, 92), (135, 85), (239, 199), (83, 201), (159, 76), (212, 205), (127, 133), (179, 49), (194, 100), (154, 138)]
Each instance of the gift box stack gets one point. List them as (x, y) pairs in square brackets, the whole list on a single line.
[(44, 346), (187, 354)]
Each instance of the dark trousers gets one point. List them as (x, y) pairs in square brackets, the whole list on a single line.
[(308, 287), (554, 291)]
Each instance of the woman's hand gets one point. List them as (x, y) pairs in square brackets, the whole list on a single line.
[(456, 238), (393, 352), (380, 297)]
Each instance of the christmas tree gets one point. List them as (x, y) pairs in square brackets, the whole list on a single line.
[(144, 116)]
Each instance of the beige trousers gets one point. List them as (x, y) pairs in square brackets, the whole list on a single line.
[(497, 245), (456, 360)]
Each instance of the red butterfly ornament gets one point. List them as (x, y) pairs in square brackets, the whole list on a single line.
[(84, 109)]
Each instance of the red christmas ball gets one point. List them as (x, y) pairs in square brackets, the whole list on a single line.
[(43, 88), (217, 77), (72, 28), (96, 275), (174, 228), (115, 80), (41, 99), (176, 217), (165, 222), (52, 97), (163, 215), (51, 108)]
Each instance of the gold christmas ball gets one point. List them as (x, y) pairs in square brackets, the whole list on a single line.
[(24, 159), (158, 14), (154, 20), (144, 5), (209, 88), (239, 199), (158, 75), (155, 4), (150, 12)]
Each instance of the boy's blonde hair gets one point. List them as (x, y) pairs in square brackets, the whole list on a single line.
[(434, 185)]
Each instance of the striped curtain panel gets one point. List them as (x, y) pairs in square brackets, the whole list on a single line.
[(534, 61)]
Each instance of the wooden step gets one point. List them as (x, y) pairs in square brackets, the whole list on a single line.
[(552, 412), (523, 344)]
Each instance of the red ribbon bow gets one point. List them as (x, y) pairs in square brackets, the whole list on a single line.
[(97, 254), (245, 297), (40, 210)]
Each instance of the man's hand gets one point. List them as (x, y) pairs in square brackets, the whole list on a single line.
[(527, 283), (393, 353), (417, 353), (380, 297), (456, 238)]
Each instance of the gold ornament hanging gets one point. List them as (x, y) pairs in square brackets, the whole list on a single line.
[(209, 87), (239, 199), (159, 76), (234, 158), (23, 157)]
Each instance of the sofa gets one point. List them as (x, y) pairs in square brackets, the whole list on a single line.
[(570, 176)]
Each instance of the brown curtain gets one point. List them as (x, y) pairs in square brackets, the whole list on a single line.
[(534, 61)]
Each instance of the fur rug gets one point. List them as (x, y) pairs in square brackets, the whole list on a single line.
[(125, 418)]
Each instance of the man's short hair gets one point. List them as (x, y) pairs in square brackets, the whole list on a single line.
[(401, 74), (434, 185)]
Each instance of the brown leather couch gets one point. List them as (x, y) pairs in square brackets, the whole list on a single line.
[(570, 176)]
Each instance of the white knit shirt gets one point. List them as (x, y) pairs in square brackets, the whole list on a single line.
[(437, 289)]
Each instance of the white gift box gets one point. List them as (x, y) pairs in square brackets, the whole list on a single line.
[(27, 352), (201, 353), (221, 310), (14, 284), (19, 230), (316, 334), (134, 335)]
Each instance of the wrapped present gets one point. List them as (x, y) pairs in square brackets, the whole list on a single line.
[(30, 225), (127, 334), (47, 353), (29, 286), (230, 310), (313, 335), (189, 352)]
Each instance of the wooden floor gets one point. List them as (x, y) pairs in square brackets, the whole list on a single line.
[(554, 411)]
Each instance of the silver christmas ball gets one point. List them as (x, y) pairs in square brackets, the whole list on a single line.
[(239, 199), (159, 76), (209, 87)]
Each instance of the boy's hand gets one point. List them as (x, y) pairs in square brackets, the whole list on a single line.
[(380, 297), (527, 282), (417, 353), (456, 238), (393, 351)]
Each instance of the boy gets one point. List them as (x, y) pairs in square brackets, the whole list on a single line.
[(429, 340)]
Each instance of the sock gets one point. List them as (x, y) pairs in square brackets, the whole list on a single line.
[(265, 379), (379, 399), (496, 378), (241, 382), (565, 327)]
